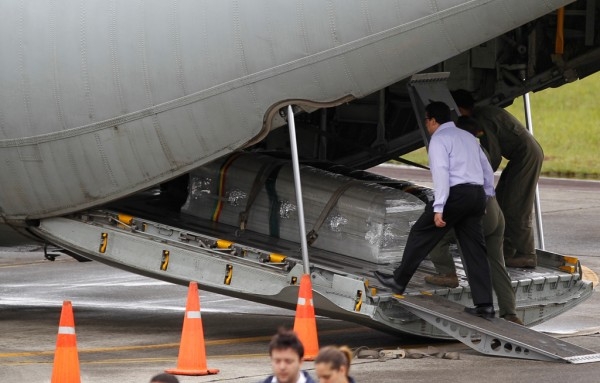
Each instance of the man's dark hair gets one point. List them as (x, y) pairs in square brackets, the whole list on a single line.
[(463, 99), (164, 378), (438, 110), (469, 124), (285, 339)]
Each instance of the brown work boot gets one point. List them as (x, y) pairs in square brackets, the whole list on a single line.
[(522, 262), (446, 280), (513, 318)]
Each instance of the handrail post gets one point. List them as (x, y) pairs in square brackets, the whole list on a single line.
[(298, 188)]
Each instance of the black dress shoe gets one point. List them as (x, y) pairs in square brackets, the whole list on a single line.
[(388, 281), (382, 274), (481, 311), (513, 318)]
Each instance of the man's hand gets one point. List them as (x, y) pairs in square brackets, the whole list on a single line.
[(438, 219)]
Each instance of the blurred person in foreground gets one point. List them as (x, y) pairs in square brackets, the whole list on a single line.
[(286, 352), (332, 365)]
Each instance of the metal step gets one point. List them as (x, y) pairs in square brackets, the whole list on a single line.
[(496, 336)]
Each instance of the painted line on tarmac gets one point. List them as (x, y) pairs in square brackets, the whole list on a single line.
[(173, 359), (139, 360), (589, 275), (215, 342), (107, 361), (13, 265)]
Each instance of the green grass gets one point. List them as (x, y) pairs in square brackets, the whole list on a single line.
[(566, 122)]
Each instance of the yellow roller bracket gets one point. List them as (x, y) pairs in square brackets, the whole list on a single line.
[(358, 300), (223, 244), (569, 265), (164, 262), (228, 274), (570, 259), (104, 242), (124, 219), (277, 258)]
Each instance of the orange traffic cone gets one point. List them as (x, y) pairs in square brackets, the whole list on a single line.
[(305, 324), (192, 352), (66, 360)]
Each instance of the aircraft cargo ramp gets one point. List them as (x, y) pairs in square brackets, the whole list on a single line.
[(260, 268), (235, 235), (495, 337)]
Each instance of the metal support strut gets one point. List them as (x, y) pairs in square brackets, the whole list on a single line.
[(298, 187), (538, 210)]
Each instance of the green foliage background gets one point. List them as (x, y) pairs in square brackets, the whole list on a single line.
[(566, 122)]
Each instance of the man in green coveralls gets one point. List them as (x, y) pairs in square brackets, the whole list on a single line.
[(504, 136)]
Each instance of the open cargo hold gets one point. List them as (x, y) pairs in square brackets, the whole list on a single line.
[(179, 247)]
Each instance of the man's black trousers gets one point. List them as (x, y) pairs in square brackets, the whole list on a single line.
[(463, 212)]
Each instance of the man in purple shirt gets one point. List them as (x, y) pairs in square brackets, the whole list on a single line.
[(462, 180)]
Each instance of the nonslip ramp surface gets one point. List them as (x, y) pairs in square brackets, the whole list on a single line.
[(495, 336)]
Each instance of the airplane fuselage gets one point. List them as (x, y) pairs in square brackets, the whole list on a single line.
[(101, 99)]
